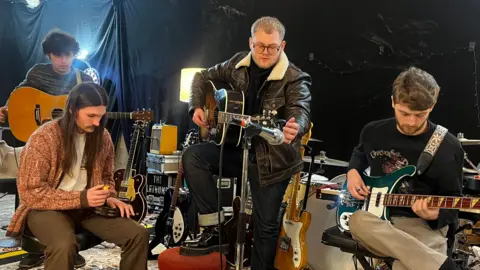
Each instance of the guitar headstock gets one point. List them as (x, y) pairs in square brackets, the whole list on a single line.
[(191, 138), (308, 135), (145, 115), (140, 125), (268, 119)]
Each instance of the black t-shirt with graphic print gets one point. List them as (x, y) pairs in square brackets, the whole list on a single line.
[(385, 149)]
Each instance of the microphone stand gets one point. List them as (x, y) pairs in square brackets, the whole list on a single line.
[(242, 225)]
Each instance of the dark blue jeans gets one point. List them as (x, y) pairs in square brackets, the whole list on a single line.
[(200, 162)]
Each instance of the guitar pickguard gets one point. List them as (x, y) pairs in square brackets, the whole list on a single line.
[(130, 193), (293, 229), (178, 226), (374, 208), (378, 187)]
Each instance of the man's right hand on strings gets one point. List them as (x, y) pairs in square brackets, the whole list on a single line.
[(199, 118), (355, 185), (3, 114)]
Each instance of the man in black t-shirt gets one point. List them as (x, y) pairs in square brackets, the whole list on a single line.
[(418, 237)]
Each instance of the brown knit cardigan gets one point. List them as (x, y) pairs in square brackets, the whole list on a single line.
[(39, 175)]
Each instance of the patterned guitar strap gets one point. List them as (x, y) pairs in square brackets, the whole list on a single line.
[(429, 152)]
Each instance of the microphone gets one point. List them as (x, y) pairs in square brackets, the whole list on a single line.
[(272, 136)]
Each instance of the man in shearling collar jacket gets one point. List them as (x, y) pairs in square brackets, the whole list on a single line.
[(269, 82)]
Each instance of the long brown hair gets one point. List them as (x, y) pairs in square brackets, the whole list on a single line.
[(83, 95)]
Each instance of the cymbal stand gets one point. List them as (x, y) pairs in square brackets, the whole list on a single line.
[(322, 157), (471, 163)]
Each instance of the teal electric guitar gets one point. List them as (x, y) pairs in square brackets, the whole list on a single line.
[(382, 197)]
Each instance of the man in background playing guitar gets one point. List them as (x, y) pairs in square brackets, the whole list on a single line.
[(270, 81), (417, 239), (66, 169), (57, 78)]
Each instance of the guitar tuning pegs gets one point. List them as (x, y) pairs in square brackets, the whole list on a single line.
[(274, 112)]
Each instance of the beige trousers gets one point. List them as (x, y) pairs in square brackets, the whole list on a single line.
[(411, 241)]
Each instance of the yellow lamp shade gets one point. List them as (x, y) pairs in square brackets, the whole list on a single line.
[(186, 82)]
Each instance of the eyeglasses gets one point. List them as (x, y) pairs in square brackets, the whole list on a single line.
[(271, 49)]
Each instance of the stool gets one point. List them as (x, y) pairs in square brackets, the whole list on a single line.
[(171, 259), (336, 238)]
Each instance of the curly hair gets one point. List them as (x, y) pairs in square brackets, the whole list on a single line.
[(58, 42)]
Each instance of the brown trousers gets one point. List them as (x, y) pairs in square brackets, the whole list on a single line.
[(411, 241), (56, 230)]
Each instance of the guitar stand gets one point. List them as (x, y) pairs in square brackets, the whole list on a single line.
[(242, 225), (310, 168)]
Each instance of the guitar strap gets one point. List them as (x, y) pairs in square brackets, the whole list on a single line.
[(79, 76), (428, 153)]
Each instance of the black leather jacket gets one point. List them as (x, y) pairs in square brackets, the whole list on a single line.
[(286, 90)]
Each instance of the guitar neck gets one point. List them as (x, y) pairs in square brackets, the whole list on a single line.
[(225, 117), (119, 115), (444, 202), (178, 183)]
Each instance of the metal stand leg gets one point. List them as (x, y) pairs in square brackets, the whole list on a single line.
[(241, 227)]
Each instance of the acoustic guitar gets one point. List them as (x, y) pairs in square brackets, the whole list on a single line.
[(221, 106), (291, 251), (29, 108)]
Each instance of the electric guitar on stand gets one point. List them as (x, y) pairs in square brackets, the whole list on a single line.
[(221, 106), (171, 226), (29, 108), (291, 251), (131, 187)]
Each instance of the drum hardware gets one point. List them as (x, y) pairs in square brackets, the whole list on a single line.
[(314, 140), (322, 159), (467, 170), (465, 141)]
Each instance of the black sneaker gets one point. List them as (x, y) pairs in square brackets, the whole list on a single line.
[(205, 244), (33, 260)]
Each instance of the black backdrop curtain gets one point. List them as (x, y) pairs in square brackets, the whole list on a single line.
[(139, 47)]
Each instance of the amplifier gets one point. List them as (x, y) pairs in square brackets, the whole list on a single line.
[(163, 164), (164, 139)]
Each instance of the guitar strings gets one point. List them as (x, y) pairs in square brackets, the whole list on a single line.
[(373, 201)]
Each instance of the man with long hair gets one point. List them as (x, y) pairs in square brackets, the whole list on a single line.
[(270, 82), (418, 237), (64, 168), (57, 77)]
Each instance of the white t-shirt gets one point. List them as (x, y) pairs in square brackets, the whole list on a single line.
[(76, 180)]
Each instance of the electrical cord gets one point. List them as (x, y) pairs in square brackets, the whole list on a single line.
[(219, 201)]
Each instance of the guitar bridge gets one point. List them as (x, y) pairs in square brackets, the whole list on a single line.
[(285, 243), (37, 115)]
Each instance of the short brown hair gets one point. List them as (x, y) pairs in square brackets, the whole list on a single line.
[(415, 88), (269, 25)]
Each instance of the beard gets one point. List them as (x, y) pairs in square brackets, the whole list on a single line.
[(410, 130)]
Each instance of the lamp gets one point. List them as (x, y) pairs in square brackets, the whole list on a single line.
[(186, 82)]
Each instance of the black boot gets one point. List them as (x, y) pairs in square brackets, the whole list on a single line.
[(205, 243), (449, 264), (32, 260)]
